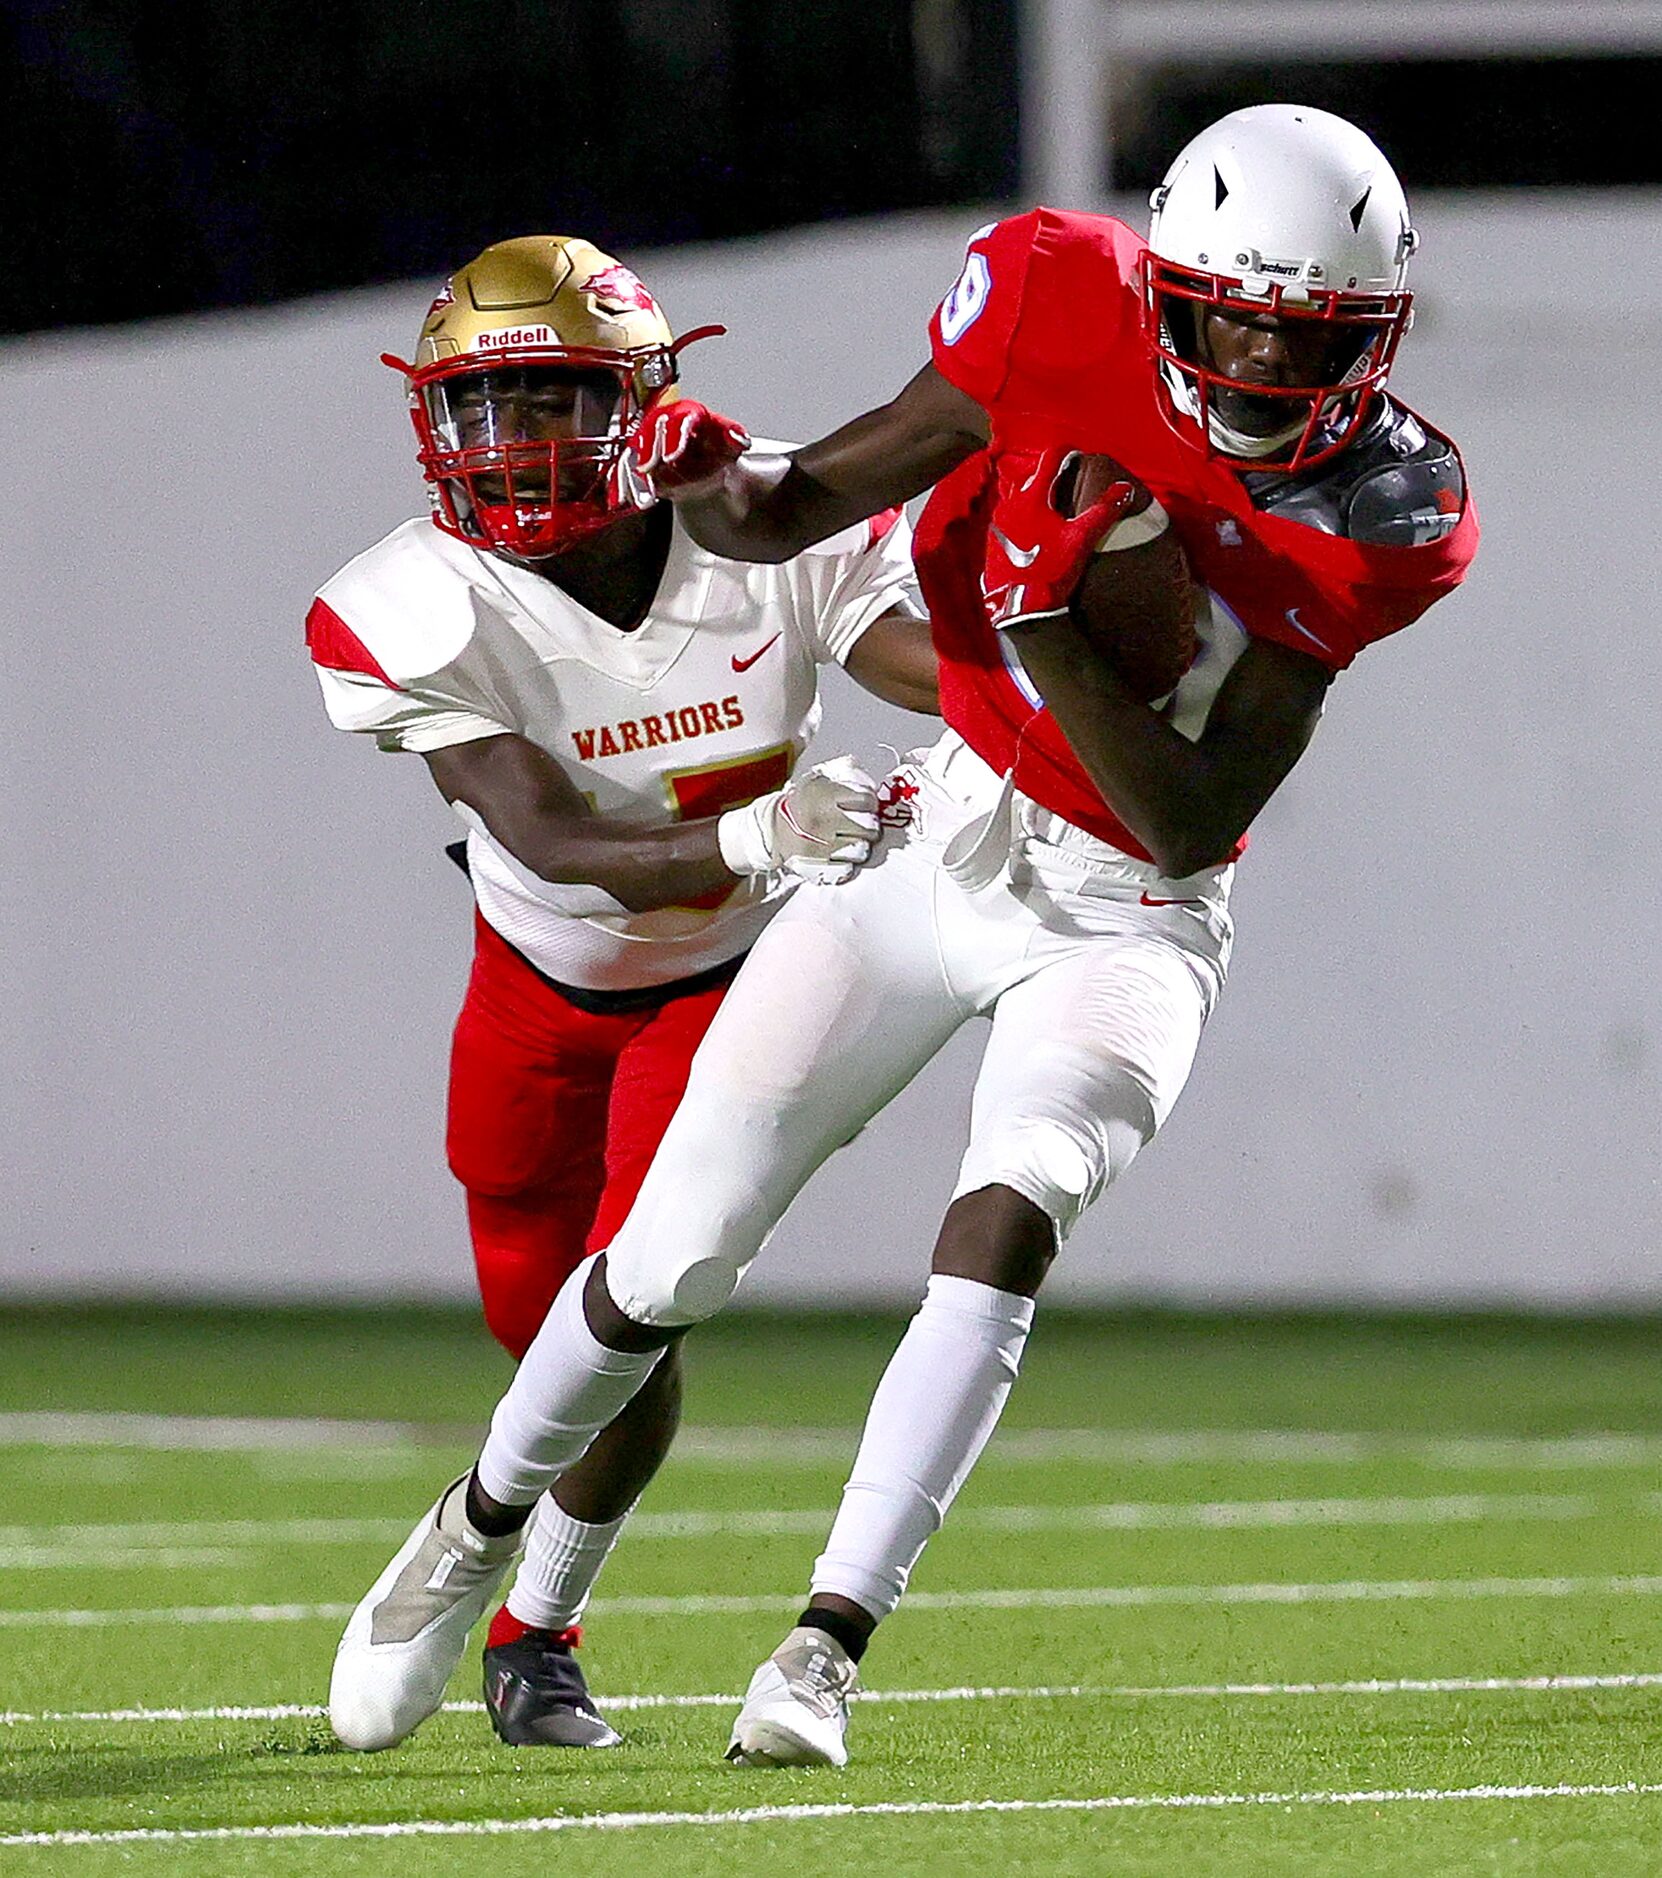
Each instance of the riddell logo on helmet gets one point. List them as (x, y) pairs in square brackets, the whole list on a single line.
[(619, 290), (510, 336)]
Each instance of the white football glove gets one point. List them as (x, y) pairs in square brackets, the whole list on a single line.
[(821, 825)]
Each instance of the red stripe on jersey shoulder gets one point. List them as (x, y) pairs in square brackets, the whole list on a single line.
[(881, 525), (334, 645)]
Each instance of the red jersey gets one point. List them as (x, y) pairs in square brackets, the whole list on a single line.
[(1044, 330)]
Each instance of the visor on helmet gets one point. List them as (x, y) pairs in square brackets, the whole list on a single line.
[(506, 406), (524, 454)]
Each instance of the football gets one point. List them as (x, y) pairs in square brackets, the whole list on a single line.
[(1136, 605)]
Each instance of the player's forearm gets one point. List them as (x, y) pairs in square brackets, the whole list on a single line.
[(1172, 794), (516, 793), (767, 508), (907, 693), (754, 511), (642, 868)]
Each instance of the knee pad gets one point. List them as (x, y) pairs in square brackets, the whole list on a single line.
[(517, 1281), (690, 1237), (522, 1254), (1057, 1154), (514, 1309), (665, 1290), (708, 1204), (507, 1130)]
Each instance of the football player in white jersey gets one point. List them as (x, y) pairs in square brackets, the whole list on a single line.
[(617, 716)]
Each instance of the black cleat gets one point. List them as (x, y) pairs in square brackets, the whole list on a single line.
[(536, 1697)]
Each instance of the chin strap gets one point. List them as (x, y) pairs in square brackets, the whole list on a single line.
[(630, 487), (1224, 436), (1239, 443)]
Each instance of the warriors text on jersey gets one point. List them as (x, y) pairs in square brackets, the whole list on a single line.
[(1044, 330), (424, 642)]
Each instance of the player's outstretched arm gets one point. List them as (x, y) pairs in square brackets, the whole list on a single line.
[(1188, 803), (815, 825), (752, 506)]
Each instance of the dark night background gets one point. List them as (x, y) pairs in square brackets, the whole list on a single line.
[(167, 157)]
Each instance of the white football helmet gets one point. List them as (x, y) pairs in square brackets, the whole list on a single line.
[(1286, 214)]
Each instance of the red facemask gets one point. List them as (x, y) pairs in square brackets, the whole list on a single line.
[(524, 449), (1321, 418)]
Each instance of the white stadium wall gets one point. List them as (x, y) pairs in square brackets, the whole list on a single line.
[(233, 948)]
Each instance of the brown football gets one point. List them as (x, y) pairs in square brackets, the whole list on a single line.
[(1136, 605)]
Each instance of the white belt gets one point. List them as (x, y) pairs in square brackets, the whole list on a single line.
[(1015, 825)]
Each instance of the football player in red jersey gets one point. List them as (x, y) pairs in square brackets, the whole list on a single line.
[(1071, 841), (617, 714)]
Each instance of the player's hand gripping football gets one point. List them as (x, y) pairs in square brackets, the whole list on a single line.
[(681, 449), (821, 825), (1115, 570), (1037, 554)]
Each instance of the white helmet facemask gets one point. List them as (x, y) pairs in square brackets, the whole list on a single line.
[(1290, 212)]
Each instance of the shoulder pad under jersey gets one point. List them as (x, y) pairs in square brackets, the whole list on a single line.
[(1399, 485)]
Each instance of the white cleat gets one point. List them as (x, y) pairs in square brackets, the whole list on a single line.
[(795, 1711), (408, 1634)]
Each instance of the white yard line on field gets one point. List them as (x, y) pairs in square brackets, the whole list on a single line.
[(1191, 1446), (180, 1543), (1082, 1597), (833, 1446), (1086, 1597), (620, 1704), (885, 1809), (189, 1433), (42, 1558), (149, 1542), (177, 1614)]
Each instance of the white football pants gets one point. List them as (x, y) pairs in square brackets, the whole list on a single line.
[(1098, 973)]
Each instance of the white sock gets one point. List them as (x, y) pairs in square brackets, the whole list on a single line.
[(569, 1386), (939, 1400), (563, 1557)]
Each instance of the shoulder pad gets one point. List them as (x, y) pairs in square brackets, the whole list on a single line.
[(1405, 505), (406, 600), (1399, 485)]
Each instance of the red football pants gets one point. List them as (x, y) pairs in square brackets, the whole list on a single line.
[(555, 1114)]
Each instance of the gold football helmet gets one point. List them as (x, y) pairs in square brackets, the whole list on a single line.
[(535, 363)]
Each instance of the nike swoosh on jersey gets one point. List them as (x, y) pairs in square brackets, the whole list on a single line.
[(1299, 626), (1021, 557), (744, 665), (1148, 901)]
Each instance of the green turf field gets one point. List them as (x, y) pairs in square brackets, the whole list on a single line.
[(1281, 1597)]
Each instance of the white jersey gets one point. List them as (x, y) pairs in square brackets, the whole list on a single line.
[(424, 642)]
